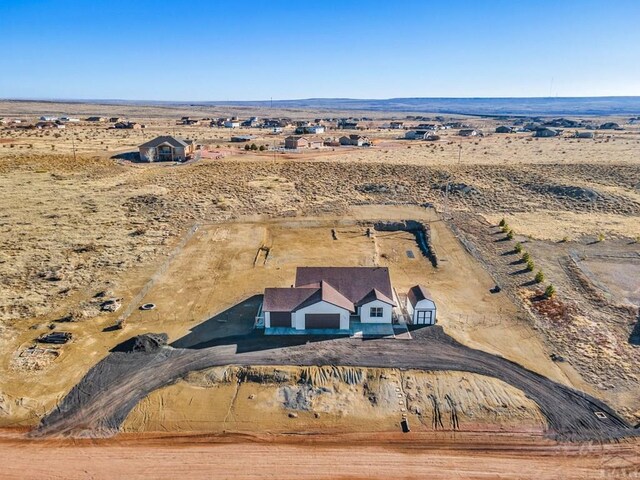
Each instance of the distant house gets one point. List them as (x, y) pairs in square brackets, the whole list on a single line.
[(231, 124), (610, 126), (504, 129), (295, 142), (583, 134), (396, 125), (420, 135), (45, 125), (69, 119), (329, 298), (242, 138), (114, 119), (355, 140), (48, 118), (420, 306), (468, 132), (546, 132), (166, 148), (96, 119), (310, 130), (128, 125), (347, 125), (276, 130)]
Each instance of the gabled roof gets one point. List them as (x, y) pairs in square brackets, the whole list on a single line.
[(326, 293), (173, 141), (418, 293), (295, 298), (354, 283), (286, 299), (375, 294)]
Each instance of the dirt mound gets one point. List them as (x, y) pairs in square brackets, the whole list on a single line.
[(567, 191), (149, 342)]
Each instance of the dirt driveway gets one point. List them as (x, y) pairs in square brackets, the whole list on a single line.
[(102, 400)]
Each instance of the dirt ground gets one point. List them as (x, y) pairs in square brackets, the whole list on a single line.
[(363, 400), (355, 456)]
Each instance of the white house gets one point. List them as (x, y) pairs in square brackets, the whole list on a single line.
[(231, 124), (421, 306), (330, 298)]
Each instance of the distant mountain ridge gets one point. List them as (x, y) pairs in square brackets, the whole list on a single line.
[(523, 106), (469, 106)]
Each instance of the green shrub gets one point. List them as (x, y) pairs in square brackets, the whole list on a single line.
[(254, 146), (550, 291), (565, 239), (601, 237), (518, 248), (502, 223), (505, 228), (539, 277), (510, 234), (530, 265), (526, 256), (247, 147)]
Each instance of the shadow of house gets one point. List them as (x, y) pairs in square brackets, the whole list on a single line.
[(236, 321)]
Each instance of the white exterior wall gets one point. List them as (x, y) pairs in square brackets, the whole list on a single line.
[(365, 312), (145, 152), (409, 307), (267, 320), (320, 307)]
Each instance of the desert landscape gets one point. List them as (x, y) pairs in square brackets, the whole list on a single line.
[(90, 234)]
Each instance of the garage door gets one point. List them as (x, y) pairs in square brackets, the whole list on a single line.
[(322, 320), (424, 317), (280, 319)]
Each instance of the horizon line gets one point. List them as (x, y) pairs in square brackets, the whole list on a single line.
[(65, 100)]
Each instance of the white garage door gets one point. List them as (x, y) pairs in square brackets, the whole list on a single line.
[(424, 317)]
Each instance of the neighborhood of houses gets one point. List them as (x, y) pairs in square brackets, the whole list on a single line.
[(342, 300), (318, 133)]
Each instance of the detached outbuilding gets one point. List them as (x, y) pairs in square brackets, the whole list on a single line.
[(420, 306)]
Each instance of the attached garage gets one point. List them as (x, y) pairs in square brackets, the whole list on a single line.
[(421, 306), (322, 320), (280, 319)]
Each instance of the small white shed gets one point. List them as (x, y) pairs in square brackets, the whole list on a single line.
[(421, 306)]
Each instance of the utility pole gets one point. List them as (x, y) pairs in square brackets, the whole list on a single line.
[(460, 152), (73, 143)]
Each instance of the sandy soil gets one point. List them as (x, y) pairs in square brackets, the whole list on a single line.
[(412, 456), (364, 400)]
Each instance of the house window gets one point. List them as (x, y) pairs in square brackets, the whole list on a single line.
[(376, 312)]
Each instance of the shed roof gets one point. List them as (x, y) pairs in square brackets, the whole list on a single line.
[(418, 293)]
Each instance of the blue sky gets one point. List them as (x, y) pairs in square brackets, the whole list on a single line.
[(254, 49)]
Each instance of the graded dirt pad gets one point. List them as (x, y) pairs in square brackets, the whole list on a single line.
[(441, 456), (331, 400)]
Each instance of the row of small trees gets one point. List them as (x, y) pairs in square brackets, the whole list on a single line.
[(550, 291)]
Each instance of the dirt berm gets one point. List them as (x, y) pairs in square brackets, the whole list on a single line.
[(99, 404)]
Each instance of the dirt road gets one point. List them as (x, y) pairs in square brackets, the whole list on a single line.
[(364, 456), (102, 400)]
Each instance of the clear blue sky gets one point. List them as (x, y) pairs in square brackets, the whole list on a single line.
[(253, 49)]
